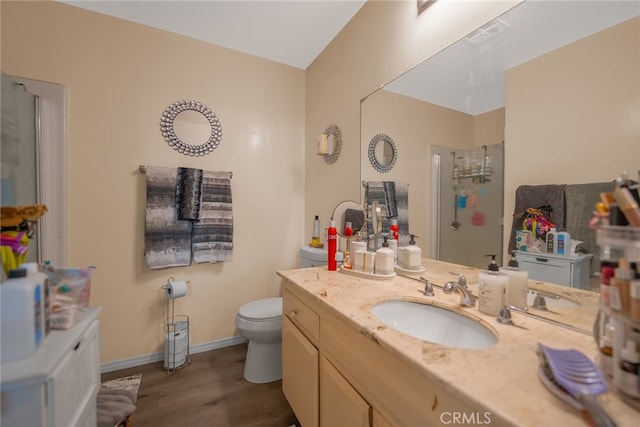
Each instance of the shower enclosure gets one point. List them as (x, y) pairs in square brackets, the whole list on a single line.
[(33, 159), (467, 193)]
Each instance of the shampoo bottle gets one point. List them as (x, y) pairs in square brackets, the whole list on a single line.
[(493, 285), (384, 259), (332, 243), (517, 284), (563, 243), (551, 241)]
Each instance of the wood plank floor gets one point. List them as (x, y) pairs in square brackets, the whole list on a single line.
[(210, 391)]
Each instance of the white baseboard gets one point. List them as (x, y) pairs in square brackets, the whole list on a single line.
[(156, 357)]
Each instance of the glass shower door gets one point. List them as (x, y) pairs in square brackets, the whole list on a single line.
[(467, 203), (18, 151)]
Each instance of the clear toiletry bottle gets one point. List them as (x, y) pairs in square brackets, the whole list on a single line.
[(630, 368), (493, 285), (315, 239), (606, 350), (620, 297), (348, 234), (384, 259), (517, 284)]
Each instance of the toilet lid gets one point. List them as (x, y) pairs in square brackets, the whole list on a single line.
[(262, 309)]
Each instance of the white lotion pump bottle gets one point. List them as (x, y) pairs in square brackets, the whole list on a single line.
[(518, 283), (410, 257), (384, 259), (493, 285)]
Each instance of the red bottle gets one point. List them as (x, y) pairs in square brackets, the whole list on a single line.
[(332, 241), (394, 229)]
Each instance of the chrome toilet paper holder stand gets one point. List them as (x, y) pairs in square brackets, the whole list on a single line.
[(176, 353)]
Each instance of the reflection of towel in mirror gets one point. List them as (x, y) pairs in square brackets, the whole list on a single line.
[(534, 196), (355, 217), (581, 199), (394, 200), (213, 233), (167, 240)]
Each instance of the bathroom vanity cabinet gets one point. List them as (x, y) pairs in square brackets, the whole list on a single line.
[(343, 366), (58, 385), (572, 271), (300, 336), (332, 375)]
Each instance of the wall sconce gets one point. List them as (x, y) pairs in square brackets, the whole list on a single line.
[(424, 4), (330, 144), (323, 144)]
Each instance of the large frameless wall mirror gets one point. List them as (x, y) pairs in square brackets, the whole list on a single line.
[(466, 106)]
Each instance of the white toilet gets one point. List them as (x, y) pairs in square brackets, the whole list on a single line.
[(260, 322)]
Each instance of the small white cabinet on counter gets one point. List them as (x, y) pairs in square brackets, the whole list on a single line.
[(572, 271), (59, 384)]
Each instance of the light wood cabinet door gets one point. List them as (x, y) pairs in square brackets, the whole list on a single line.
[(340, 403), (300, 374)]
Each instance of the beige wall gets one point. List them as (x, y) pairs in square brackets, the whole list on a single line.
[(120, 77), (383, 40), (573, 115)]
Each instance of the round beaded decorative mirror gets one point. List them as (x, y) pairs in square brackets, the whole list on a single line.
[(382, 153), (173, 112)]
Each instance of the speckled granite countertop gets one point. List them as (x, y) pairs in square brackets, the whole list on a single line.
[(502, 378)]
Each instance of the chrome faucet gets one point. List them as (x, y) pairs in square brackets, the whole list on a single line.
[(540, 303), (466, 298), (461, 279), (428, 286)]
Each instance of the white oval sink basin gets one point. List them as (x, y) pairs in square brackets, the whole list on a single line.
[(552, 300), (434, 324)]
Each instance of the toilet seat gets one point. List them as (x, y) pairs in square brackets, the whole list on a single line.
[(262, 310)]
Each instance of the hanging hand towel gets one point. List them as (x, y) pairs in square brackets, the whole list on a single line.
[(213, 233), (167, 240), (188, 193)]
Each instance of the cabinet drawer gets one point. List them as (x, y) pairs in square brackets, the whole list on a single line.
[(74, 386), (547, 269), (302, 316)]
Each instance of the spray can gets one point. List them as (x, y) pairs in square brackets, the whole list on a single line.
[(332, 242)]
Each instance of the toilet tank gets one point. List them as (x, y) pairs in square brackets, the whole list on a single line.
[(312, 257)]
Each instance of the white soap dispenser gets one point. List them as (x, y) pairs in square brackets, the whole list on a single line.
[(410, 257), (518, 283), (493, 285), (384, 259)]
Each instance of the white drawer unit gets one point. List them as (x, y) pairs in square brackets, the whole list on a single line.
[(59, 384), (572, 271)]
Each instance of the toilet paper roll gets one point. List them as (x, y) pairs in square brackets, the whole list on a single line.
[(176, 289)]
